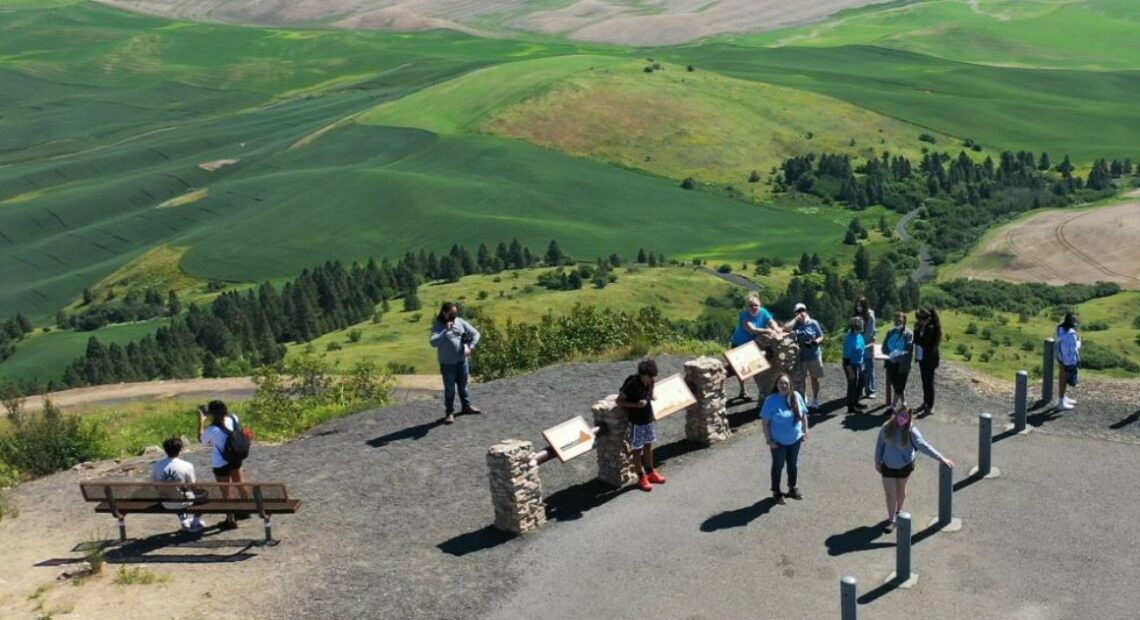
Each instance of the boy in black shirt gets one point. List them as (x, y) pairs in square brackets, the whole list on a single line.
[(635, 396)]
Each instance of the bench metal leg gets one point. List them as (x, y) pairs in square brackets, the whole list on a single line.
[(269, 540), (122, 529)]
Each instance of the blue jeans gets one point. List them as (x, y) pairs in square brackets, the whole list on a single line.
[(788, 456), (454, 376), (868, 372)]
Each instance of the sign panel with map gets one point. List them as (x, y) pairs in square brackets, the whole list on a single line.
[(747, 360), (570, 439)]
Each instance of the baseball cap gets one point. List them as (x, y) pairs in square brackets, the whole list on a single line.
[(799, 308)]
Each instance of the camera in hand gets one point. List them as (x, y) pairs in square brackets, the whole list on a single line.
[(466, 338)]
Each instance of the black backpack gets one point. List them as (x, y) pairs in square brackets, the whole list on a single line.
[(236, 449)]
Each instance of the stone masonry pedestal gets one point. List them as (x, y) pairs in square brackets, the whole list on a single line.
[(707, 421), (516, 489), (615, 458)]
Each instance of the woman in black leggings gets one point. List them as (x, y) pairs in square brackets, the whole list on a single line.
[(927, 338)]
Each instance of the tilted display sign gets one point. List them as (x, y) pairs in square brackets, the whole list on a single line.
[(671, 395), (570, 439), (747, 360)]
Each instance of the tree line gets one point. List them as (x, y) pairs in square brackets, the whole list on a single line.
[(12, 331), (960, 197)]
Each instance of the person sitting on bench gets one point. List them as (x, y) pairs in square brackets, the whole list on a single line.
[(174, 469)]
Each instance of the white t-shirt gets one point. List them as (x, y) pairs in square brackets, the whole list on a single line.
[(216, 437), (173, 470)]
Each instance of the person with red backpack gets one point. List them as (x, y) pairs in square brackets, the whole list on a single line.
[(230, 445)]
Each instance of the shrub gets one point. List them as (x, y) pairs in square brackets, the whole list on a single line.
[(400, 368), (333, 346), (483, 295), (1098, 357), (137, 575), (354, 335), (927, 138), (689, 183), (985, 357), (1136, 322), (962, 349), (1028, 346), (972, 328), (987, 334), (1096, 326), (725, 268), (43, 444)]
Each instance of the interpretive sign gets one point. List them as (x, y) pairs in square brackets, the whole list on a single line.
[(570, 439), (671, 395), (747, 360)]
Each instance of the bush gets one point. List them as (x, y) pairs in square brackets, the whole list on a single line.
[(725, 268), (987, 334), (354, 335), (689, 183), (962, 349), (1028, 346), (1096, 326), (43, 444), (333, 346), (400, 368), (972, 328), (1099, 357)]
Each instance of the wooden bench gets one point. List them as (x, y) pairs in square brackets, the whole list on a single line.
[(246, 498)]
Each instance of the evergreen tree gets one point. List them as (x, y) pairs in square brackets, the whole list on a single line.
[(24, 324), (412, 301), (862, 263), (173, 304), (805, 264), (849, 238), (554, 255), (641, 257), (88, 296)]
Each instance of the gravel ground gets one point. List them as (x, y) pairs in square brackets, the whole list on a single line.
[(396, 521)]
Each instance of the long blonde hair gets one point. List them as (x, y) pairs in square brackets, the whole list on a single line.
[(892, 427), (794, 399)]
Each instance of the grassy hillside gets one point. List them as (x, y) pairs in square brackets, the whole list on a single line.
[(1075, 34), (403, 336), (46, 355)]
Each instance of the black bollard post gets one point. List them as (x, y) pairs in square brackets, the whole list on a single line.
[(848, 608), (1020, 401), (945, 495), (1047, 372), (902, 548), (984, 469)]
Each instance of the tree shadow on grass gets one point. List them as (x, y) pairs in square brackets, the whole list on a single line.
[(862, 538), (414, 433), (740, 517)]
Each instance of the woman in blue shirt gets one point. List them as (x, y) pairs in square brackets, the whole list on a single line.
[(853, 354), (898, 445), (753, 321), (784, 418)]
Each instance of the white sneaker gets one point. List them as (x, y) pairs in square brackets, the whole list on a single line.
[(1065, 405), (815, 404)]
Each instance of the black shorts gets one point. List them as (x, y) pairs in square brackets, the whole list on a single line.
[(227, 469), (903, 472)]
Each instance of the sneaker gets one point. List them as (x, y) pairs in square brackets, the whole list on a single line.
[(794, 493), (815, 404), (889, 527), (449, 418), (469, 410), (1065, 405), (643, 484), (196, 527), (871, 394), (779, 497), (655, 477)]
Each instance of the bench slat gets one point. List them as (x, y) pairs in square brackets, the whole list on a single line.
[(96, 490), (240, 507)]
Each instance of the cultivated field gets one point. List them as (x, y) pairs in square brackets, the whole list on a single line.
[(1064, 246), (624, 22)]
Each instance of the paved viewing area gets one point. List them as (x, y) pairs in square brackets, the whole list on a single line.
[(397, 520)]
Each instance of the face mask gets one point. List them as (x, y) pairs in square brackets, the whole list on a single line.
[(902, 419)]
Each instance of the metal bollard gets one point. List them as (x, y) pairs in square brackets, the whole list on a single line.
[(945, 495), (1047, 371), (1020, 401), (985, 442), (902, 547), (848, 608)]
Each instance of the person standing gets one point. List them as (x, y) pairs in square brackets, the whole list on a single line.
[(454, 340), (809, 336), (853, 354), (895, 451), (870, 330), (785, 422), (636, 396), (175, 469), (1068, 353), (897, 347), (754, 320), (223, 426), (927, 341)]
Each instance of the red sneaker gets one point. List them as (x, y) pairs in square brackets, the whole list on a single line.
[(643, 483), (656, 478)]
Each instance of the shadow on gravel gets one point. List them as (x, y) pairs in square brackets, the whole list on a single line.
[(861, 538), (965, 482), (414, 433), (479, 540), (1132, 419), (879, 592), (740, 517), (139, 551), (870, 420)]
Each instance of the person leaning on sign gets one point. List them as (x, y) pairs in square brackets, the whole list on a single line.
[(754, 320), (636, 396)]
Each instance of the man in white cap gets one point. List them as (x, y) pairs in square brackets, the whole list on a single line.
[(809, 335)]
